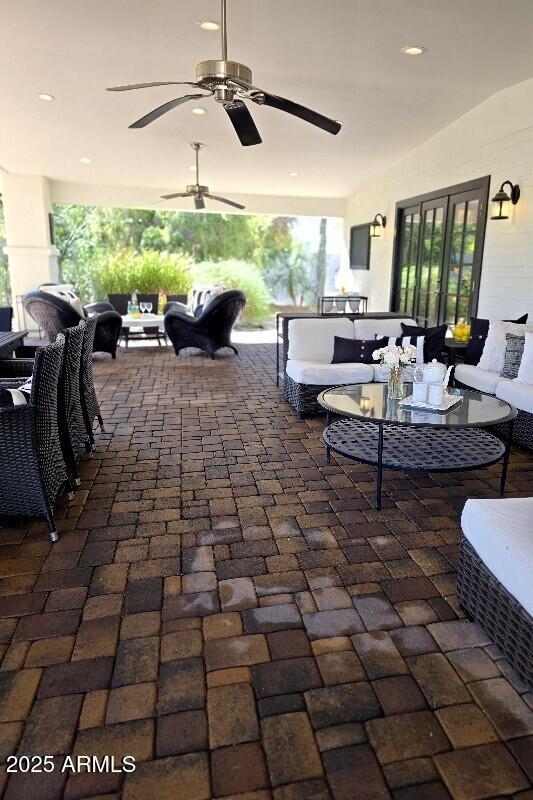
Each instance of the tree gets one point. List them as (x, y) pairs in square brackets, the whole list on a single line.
[(5, 293), (212, 237)]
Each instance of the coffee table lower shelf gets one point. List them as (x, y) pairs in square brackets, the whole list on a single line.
[(427, 449)]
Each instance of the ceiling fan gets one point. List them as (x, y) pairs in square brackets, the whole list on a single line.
[(231, 83), (197, 191)]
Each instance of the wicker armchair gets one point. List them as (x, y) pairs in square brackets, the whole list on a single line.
[(33, 469), (89, 402), (212, 329), (53, 314)]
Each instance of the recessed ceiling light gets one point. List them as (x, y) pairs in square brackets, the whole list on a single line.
[(294, 174), (86, 160), (199, 111), (208, 25), (46, 97), (414, 50)]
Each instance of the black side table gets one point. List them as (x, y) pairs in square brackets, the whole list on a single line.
[(454, 350)]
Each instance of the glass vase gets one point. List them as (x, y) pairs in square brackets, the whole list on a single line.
[(395, 384)]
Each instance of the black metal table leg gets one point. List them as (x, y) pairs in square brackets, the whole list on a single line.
[(508, 441), (379, 476), (328, 449)]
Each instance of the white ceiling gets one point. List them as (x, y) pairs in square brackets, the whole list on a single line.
[(341, 57)]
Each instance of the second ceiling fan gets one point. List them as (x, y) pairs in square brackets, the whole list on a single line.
[(230, 83), (197, 191)]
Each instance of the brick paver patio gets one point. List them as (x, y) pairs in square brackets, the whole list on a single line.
[(230, 610)]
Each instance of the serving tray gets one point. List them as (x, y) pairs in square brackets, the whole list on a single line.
[(449, 402)]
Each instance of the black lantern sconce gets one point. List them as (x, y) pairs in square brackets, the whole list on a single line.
[(500, 201), (376, 225)]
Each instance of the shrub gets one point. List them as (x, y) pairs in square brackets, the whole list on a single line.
[(147, 271), (238, 275)]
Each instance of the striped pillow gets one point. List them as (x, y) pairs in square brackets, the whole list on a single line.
[(513, 355), (403, 341)]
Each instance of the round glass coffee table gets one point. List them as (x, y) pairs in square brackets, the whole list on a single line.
[(378, 431)]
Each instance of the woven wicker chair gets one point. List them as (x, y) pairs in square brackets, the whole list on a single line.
[(73, 435), (33, 468), (53, 314), (6, 318), (212, 329), (89, 401)]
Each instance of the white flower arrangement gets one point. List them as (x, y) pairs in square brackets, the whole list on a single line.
[(395, 356)]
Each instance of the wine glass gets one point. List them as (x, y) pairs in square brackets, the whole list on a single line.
[(142, 306), (148, 307)]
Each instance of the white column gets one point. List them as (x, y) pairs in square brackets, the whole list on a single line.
[(33, 259)]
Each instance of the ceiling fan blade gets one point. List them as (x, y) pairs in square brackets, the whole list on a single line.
[(199, 202), (176, 194), (242, 121), (281, 103), (224, 200), (148, 85), (160, 110)]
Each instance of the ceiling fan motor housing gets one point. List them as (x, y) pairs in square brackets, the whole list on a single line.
[(213, 75), (196, 188)]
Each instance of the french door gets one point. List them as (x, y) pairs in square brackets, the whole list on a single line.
[(438, 254)]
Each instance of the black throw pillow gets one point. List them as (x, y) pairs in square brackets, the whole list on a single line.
[(479, 329), (433, 339), (356, 351)]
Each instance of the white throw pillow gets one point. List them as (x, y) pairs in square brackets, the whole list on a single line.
[(525, 371), (493, 356)]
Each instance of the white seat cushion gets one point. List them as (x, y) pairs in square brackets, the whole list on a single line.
[(66, 292), (369, 328), (313, 339), (317, 373), (501, 533), (520, 395), (477, 378)]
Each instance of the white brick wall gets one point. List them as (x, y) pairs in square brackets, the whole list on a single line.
[(495, 138)]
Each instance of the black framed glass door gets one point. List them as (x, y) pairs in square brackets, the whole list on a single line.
[(438, 254)]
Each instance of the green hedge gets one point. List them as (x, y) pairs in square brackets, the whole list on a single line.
[(147, 271)]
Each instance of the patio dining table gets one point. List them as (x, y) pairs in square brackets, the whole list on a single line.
[(9, 341)]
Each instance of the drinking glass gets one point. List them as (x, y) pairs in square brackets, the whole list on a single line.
[(142, 306), (148, 307)]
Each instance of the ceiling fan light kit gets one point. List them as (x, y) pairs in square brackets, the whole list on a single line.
[(231, 83)]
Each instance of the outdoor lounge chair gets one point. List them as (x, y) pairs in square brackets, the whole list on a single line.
[(211, 330)]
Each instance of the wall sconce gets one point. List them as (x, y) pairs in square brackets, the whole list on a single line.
[(376, 225), (500, 201)]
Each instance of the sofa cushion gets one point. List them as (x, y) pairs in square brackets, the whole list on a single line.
[(369, 328), (349, 351), (479, 329), (493, 357), (433, 339), (500, 533), (403, 341), (477, 378), (518, 394), (317, 373), (513, 355), (312, 339)]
